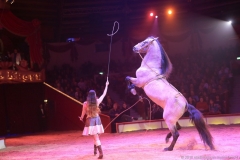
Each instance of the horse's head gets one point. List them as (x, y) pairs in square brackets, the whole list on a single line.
[(156, 55), (143, 46)]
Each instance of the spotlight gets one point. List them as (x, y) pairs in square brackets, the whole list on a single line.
[(156, 16), (10, 1), (229, 22), (151, 14), (169, 11)]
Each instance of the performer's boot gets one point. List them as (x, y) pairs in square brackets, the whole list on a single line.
[(95, 150), (100, 152)]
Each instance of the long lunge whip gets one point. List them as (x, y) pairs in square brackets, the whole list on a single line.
[(110, 45)]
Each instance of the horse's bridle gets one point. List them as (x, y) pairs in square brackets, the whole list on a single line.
[(148, 44)]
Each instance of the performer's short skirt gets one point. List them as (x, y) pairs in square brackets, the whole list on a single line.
[(93, 126)]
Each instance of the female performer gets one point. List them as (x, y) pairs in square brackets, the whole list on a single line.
[(93, 125)]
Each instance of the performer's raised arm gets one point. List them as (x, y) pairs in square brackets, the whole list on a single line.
[(100, 99)]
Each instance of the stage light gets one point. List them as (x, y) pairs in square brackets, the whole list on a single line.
[(169, 11), (151, 14), (156, 16), (229, 22), (238, 58), (10, 1)]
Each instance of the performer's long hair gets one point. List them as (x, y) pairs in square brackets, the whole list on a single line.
[(92, 109)]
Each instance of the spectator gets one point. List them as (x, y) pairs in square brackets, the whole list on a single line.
[(109, 102), (220, 103), (157, 112), (114, 115), (42, 115), (213, 94), (77, 93), (192, 101), (214, 108), (15, 57), (141, 109), (202, 106), (194, 96), (58, 86), (82, 85), (125, 114)]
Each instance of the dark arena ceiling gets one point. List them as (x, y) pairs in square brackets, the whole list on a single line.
[(62, 19)]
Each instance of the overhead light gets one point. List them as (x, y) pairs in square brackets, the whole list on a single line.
[(10, 1), (72, 39)]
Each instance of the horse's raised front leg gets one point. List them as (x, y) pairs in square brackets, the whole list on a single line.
[(131, 87), (169, 135), (173, 129), (134, 81)]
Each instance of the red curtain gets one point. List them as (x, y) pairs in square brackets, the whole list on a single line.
[(30, 30)]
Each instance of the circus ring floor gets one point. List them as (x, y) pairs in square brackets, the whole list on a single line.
[(137, 145)]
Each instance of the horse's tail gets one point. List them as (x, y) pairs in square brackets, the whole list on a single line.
[(197, 119)]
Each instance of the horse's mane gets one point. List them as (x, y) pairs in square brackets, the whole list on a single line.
[(166, 65)]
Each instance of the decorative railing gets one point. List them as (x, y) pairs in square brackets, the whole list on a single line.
[(20, 75)]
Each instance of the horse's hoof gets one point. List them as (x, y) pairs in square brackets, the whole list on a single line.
[(133, 91), (212, 147), (127, 78), (167, 149), (131, 86)]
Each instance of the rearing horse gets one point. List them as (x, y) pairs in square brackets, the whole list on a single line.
[(152, 77)]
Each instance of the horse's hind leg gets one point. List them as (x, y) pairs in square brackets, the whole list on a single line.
[(169, 135), (175, 134)]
